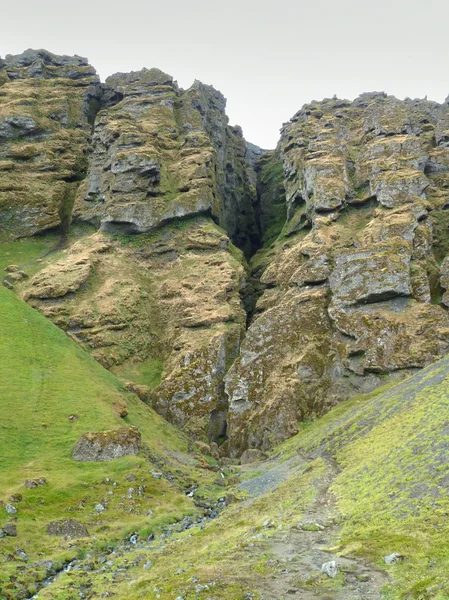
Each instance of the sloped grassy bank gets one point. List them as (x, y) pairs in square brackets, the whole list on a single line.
[(51, 392)]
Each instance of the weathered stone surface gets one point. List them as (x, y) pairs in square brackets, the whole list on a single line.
[(352, 294), (175, 297), (47, 104), (34, 483), (67, 527), (330, 569), (444, 280), (267, 395), (10, 529), (161, 154), (103, 446), (367, 276), (60, 279)]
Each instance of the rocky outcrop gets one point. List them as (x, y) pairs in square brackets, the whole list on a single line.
[(47, 105), (352, 284), (103, 446), (345, 226), (163, 163), (170, 301), (160, 154)]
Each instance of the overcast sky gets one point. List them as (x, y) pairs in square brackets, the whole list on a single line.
[(268, 58)]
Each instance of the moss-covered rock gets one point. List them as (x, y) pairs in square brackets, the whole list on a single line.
[(352, 282), (46, 106), (103, 446), (162, 310)]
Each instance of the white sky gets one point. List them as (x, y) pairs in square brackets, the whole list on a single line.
[(268, 58)]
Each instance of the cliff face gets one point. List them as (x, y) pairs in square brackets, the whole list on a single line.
[(355, 280), (344, 226), (47, 106), (163, 308), (160, 153)]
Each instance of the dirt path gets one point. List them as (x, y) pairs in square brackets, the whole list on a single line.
[(297, 556)]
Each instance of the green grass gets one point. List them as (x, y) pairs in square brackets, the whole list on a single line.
[(146, 372), (45, 378), (393, 448), (24, 252), (34, 253)]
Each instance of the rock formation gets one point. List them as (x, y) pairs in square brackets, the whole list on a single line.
[(103, 446), (353, 292), (332, 247), (47, 107)]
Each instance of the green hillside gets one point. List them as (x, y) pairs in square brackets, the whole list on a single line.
[(51, 392)]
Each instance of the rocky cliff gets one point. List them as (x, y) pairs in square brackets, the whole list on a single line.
[(47, 107), (355, 281), (239, 291)]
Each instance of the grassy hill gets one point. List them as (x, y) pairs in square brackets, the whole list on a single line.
[(45, 378)]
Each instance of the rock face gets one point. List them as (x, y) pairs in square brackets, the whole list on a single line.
[(164, 163), (174, 297), (47, 105), (103, 446), (353, 282), (344, 226), (160, 153)]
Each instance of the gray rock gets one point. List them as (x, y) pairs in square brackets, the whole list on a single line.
[(393, 558), (371, 275), (104, 446), (10, 529), (330, 568), (69, 527), (34, 483), (17, 126), (10, 509), (147, 566), (22, 554), (444, 280), (99, 508)]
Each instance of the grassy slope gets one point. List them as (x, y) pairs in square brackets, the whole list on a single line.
[(45, 378), (393, 446), (392, 492)]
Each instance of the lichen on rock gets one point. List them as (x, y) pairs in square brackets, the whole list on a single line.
[(103, 446), (47, 105), (352, 284)]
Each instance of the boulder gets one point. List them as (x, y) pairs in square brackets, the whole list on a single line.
[(10, 529), (393, 558), (34, 483), (67, 527), (330, 569), (103, 446)]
